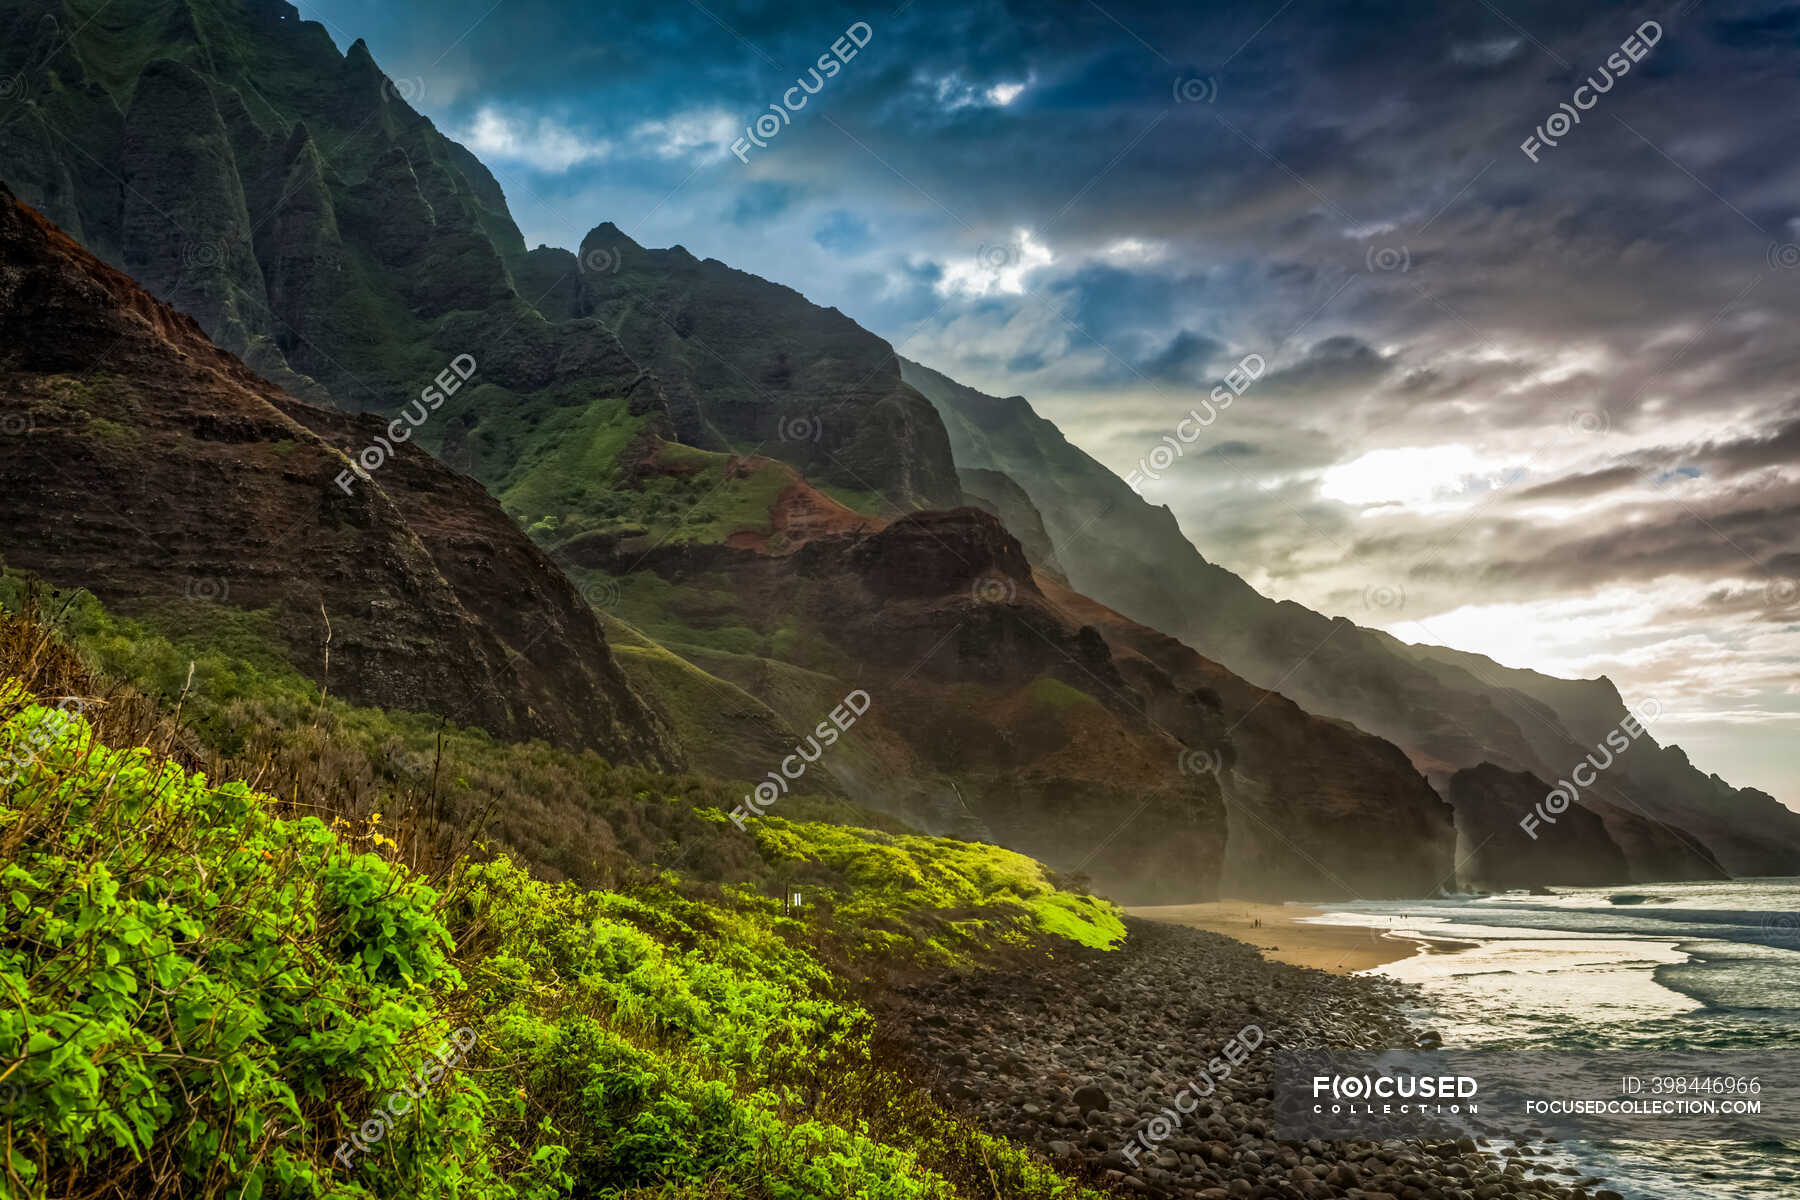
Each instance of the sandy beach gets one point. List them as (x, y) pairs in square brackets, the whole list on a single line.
[(1285, 937)]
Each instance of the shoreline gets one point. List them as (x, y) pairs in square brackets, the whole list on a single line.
[(1088, 1059), (1288, 934)]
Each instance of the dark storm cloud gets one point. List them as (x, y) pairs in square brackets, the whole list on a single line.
[(1233, 449), (1114, 303), (1337, 361), (1778, 447), (1581, 487), (1758, 539)]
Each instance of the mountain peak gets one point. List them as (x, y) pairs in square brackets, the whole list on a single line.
[(607, 235)]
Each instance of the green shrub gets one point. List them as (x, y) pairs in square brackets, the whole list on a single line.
[(189, 978), (207, 998)]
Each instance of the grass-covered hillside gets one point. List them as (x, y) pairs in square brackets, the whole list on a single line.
[(239, 989)]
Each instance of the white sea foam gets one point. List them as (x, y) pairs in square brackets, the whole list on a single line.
[(1705, 966)]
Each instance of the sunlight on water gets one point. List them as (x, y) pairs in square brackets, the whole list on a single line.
[(1656, 967)]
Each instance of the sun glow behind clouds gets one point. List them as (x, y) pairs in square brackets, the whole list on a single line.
[(1558, 636), (1711, 648), (1419, 478)]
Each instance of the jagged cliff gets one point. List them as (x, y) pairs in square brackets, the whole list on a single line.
[(1746, 831)]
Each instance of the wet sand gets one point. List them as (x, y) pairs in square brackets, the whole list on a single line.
[(1285, 936)]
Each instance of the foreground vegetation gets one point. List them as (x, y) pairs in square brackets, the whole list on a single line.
[(215, 990)]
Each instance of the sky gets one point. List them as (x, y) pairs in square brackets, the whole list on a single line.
[(1522, 278)]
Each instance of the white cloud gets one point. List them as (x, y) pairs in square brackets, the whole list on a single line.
[(542, 143), (1134, 252), (954, 92), (997, 268), (1489, 53), (698, 135), (1004, 94)]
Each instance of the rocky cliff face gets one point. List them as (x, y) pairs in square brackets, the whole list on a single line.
[(147, 465), (1449, 711), (1506, 840), (1008, 706), (1690, 818), (994, 714), (1495, 852), (998, 494), (231, 160), (751, 366), (1317, 807)]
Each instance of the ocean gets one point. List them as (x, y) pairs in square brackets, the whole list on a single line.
[(1651, 968)]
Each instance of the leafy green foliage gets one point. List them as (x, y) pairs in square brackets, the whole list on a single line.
[(209, 998), (188, 978)]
